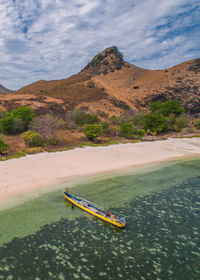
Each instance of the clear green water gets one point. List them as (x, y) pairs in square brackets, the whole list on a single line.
[(46, 239)]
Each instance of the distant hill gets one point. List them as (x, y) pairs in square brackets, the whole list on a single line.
[(108, 85), (4, 90)]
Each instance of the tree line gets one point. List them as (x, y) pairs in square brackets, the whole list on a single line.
[(42, 130)]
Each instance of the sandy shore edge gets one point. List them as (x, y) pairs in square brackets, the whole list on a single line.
[(33, 172)]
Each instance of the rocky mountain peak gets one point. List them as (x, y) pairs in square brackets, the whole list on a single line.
[(107, 61)]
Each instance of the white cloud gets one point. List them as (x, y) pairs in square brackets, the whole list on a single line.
[(53, 39)]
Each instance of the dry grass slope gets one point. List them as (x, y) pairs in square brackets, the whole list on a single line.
[(108, 85)]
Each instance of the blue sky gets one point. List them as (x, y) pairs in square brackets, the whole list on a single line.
[(53, 39)]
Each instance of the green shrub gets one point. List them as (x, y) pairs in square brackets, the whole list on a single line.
[(166, 108), (95, 58), (176, 124), (87, 119), (24, 113), (3, 146), (155, 123), (18, 126), (140, 133), (16, 121), (197, 124), (127, 130), (79, 118), (114, 131), (32, 139), (93, 130), (51, 141), (117, 120), (171, 122), (11, 125), (180, 124), (139, 119), (6, 124), (2, 114), (155, 107), (82, 118), (61, 124), (105, 126)]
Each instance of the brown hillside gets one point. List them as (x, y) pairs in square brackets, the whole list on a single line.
[(108, 85), (4, 90)]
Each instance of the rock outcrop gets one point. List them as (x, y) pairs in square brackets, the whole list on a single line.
[(107, 61)]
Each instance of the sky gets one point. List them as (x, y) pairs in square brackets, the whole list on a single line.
[(54, 39)]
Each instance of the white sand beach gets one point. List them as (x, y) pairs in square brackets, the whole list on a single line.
[(18, 176)]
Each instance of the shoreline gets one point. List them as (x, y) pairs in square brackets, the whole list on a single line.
[(23, 177)]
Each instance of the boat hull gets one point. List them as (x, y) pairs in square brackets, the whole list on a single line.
[(111, 220)]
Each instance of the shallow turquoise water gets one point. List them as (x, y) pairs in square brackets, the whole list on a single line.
[(161, 240)]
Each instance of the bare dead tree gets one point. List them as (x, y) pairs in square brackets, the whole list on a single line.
[(46, 125), (70, 119)]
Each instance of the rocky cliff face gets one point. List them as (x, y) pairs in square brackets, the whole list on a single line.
[(184, 85), (195, 66), (107, 61)]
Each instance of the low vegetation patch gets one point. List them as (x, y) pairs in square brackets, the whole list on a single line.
[(32, 139), (33, 150), (140, 133), (3, 147), (51, 133), (95, 58), (79, 118), (197, 124), (16, 121), (167, 108), (92, 131), (14, 155), (127, 130), (60, 149)]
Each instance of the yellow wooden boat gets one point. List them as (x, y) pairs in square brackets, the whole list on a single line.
[(95, 210)]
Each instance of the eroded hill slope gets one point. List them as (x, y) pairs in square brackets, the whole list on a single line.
[(108, 85)]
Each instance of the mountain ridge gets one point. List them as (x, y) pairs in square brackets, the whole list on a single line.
[(108, 85), (4, 90)]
